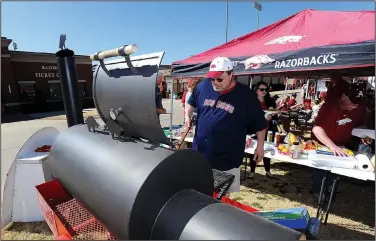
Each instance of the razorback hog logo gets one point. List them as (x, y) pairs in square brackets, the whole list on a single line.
[(257, 61), (285, 40), (213, 66), (344, 121)]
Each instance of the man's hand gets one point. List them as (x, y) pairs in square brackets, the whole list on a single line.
[(188, 122), (321, 135), (161, 111), (337, 151), (258, 156)]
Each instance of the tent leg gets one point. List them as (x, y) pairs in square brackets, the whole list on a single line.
[(286, 85), (307, 89), (315, 92), (171, 108)]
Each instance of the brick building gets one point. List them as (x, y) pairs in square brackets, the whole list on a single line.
[(30, 80)]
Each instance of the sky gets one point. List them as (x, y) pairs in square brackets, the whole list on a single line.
[(181, 29)]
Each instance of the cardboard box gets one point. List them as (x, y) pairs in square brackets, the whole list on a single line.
[(294, 218)]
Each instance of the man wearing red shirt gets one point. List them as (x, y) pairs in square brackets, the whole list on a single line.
[(340, 114)]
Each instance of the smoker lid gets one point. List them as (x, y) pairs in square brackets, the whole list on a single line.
[(133, 94)]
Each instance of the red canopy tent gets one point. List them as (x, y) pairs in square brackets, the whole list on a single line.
[(307, 43)]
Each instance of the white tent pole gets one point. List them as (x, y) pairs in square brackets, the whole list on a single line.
[(315, 92), (286, 85), (171, 107), (306, 90)]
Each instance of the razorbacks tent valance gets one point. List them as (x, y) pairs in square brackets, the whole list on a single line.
[(308, 41)]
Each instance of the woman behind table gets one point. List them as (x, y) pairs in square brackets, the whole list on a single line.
[(192, 83), (266, 102)]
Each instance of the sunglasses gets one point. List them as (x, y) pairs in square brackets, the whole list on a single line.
[(217, 79), (263, 89)]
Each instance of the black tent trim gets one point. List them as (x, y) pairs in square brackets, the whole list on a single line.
[(357, 59)]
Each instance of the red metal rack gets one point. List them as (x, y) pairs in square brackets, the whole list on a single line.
[(69, 220)]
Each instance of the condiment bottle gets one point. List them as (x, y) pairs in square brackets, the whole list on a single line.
[(269, 137), (296, 151)]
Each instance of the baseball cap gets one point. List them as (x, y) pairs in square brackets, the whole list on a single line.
[(356, 92), (218, 66)]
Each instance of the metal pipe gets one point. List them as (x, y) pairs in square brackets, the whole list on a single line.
[(69, 86), (226, 19), (171, 108), (307, 89), (190, 215), (258, 8), (286, 85), (315, 92)]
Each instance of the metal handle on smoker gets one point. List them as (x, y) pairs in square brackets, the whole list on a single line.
[(122, 51)]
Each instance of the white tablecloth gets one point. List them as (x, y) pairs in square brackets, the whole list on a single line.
[(304, 161), (353, 173)]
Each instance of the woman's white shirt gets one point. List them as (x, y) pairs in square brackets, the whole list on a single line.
[(188, 95)]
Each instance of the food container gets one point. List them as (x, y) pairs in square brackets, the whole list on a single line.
[(313, 226), (284, 150), (294, 218)]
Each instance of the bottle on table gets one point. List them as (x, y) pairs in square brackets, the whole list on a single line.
[(277, 139), (296, 151), (364, 149), (269, 137)]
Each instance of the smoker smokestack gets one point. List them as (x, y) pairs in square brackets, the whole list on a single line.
[(69, 86)]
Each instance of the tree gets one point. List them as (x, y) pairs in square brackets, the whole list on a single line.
[(15, 46)]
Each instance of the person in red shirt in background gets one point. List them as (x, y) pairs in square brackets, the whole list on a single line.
[(283, 103), (307, 104), (322, 95), (283, 106), (339, 115), (266, 102), (183, 98), (292, 100)]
